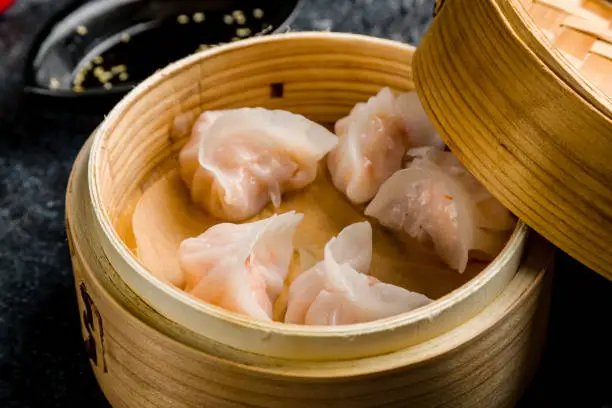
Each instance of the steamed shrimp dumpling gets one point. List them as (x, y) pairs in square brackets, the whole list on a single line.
[(189, 165), (247, 157), (338, 291), (241, 267), (436, 200), (373, 140), (417, 126), (371, 147)]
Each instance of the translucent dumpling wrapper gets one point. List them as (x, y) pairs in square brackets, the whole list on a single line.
[(417, 126), (371, 147), (241, 267), (237, 161), (373, 140), (436, 200), (338, 291), (189, 164)]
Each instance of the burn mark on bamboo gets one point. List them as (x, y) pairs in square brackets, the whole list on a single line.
[(277, 90), (438, 6), (90, 312)]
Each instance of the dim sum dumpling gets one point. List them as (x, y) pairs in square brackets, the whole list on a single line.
[(373, 139), (188, 157), (241, 267), (419, 129), (239, 160), (371, 147), (338, 291), (435, 199)]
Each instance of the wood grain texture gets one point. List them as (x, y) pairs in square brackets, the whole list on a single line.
[(142, 359), (523, 119), (323, 75)]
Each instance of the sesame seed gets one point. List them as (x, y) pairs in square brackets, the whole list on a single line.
[(236, 39), (105, 77), (258, 13), (98, 71), (54, 83), (98, 60), (199, 17), (123, 76), (243, 32), (108, 85), (239, 16), (125, 38), (203, 47), (79, 78), (81, 30), (182, 19), (118, 69), (227, 19), (77, 88)]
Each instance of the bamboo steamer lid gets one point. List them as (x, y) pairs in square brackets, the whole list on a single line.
[(521, 91)]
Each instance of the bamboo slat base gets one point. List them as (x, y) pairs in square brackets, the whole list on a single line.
[(581, 30)]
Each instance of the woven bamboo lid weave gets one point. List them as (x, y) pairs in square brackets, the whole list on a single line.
[(521, 91)]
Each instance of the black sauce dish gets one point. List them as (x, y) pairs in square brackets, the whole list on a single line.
[(97, 51)]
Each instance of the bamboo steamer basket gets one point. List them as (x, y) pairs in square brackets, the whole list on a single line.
[(526, 105), (151, 345)]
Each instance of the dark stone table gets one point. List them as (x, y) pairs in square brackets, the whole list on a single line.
[(42, 359)]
